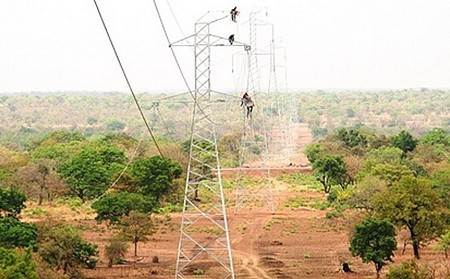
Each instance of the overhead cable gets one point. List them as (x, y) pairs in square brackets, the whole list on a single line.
[(128, 82)]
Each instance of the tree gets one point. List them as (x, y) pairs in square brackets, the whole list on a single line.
[(436, 136), (374, 241), (85, 175), (351, 137), (313, 152), (12, 202), (383, 155), (154, 175), (90, 172), (136, 227), (441, 184), (115, 250), (62, 247), (115, 126), (412, 202), (113, 206), (331, 170), (15, 265), (14, 233), (405, 141), (361, 195), (444, 243), (390, 173)]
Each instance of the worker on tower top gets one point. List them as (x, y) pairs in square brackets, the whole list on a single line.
[(234, 12)]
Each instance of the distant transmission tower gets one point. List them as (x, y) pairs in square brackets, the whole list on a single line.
[(204, 230), (254, 143)]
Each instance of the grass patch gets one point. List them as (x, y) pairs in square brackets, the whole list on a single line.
[(295, 203), (299, 179), (36, 212), (320, 204)]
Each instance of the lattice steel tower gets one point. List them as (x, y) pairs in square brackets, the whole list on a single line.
[(204, 233), (254, 142)]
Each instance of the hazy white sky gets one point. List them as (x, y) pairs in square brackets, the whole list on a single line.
[(60, 45)]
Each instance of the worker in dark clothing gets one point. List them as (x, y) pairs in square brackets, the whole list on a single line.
[(231, 39), (234, 12), (248, 103)]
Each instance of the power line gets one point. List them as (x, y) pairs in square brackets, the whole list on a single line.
[(128, 82), (178, 63)]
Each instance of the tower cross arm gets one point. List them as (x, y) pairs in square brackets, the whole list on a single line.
[(183, 42), (222, 41)]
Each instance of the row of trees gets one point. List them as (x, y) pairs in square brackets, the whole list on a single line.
[(391, 182)]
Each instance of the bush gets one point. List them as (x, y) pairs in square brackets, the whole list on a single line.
[(115, 250), (14, 233), (407, 270), (14, 265), (12, 202)]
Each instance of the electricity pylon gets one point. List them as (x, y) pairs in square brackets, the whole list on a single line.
[(254, 142), (204, 235)]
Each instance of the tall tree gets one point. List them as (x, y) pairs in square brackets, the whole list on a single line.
[(89, 172), (136, 227), (331, 170), (113, 206), (374, 241), (412, 202), (62, 247), (155, 175), (405, 141), (351, 137)]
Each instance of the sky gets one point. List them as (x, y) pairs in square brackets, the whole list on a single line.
[(60, 45)]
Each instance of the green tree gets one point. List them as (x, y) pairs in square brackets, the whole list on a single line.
[(113, 206), (115, 250), (91, 171), (331, 170), (12, 202), (412, 202), (374, 241), (390, 173), (115, 126), (441, 184), (361, 195), (351, 137), (314, 151), (14, 233), (85, 175), (16, 265), (155, 175), (383, 155), (405, 141), (436, 136), (62, 247), (136, 227)]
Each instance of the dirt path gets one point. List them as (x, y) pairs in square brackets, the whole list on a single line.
[(246, 246), (250, 264)]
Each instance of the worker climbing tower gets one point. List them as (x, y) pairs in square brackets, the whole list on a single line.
[(254, 156), (204, 236)]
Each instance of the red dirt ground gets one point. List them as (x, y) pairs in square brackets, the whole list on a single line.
[(290, 244), (299, 243)]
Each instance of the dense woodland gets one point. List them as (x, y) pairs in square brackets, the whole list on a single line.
[(383, 160), (27, 116)]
